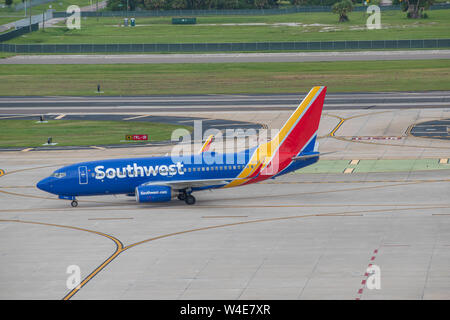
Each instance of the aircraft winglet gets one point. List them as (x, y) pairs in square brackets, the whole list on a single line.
[(207, 144)]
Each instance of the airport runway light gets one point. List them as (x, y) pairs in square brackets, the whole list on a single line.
[(41, 119), (99, 90)]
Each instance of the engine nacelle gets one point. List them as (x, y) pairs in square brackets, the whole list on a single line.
[(153, 193)]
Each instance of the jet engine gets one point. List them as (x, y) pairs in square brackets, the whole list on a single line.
[(153, 193)]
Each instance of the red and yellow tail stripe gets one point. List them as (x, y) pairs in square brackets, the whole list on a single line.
[(272, 157)]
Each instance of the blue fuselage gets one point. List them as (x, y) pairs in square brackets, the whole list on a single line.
[(122, 176), (118, 176)]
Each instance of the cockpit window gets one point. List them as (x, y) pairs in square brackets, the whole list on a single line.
[(58, 174)]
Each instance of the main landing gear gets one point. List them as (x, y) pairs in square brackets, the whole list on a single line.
[(186, 197), (190, 199), (74, 203)]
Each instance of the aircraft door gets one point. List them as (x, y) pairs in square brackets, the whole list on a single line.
[(83, 175)]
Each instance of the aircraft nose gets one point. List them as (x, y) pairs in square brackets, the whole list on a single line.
[(44, 185)]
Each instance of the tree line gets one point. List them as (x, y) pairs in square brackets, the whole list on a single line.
[(117, 5), (190, 4), (414, 8)]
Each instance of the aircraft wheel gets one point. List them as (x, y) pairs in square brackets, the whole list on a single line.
[(74, 203), (190, 199), (182, 196)]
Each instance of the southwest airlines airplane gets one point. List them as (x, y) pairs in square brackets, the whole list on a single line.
[(159, 179)]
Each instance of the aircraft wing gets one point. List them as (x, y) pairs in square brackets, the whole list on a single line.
[(183, 184)]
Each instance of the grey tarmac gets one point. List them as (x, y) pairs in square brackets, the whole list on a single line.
[(229, 57), (219, 102), (301, 236)]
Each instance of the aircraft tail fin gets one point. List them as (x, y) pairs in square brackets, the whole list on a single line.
[(296, 138), (299, 133)]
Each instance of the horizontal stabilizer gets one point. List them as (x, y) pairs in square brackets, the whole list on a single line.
[(310, 155)]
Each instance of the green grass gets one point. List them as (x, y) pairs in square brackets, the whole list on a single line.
[(28, 133), (145, 79), (60, 5), (321, 26), (57, 5), (12, 18), (8, 15), (4, 55)]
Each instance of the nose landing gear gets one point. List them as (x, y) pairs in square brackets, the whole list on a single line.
[(74, 202)]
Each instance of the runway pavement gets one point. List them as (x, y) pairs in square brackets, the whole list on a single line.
[(382, 198), (298, 237), (437, 129), (229, 57), (220, 103)]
